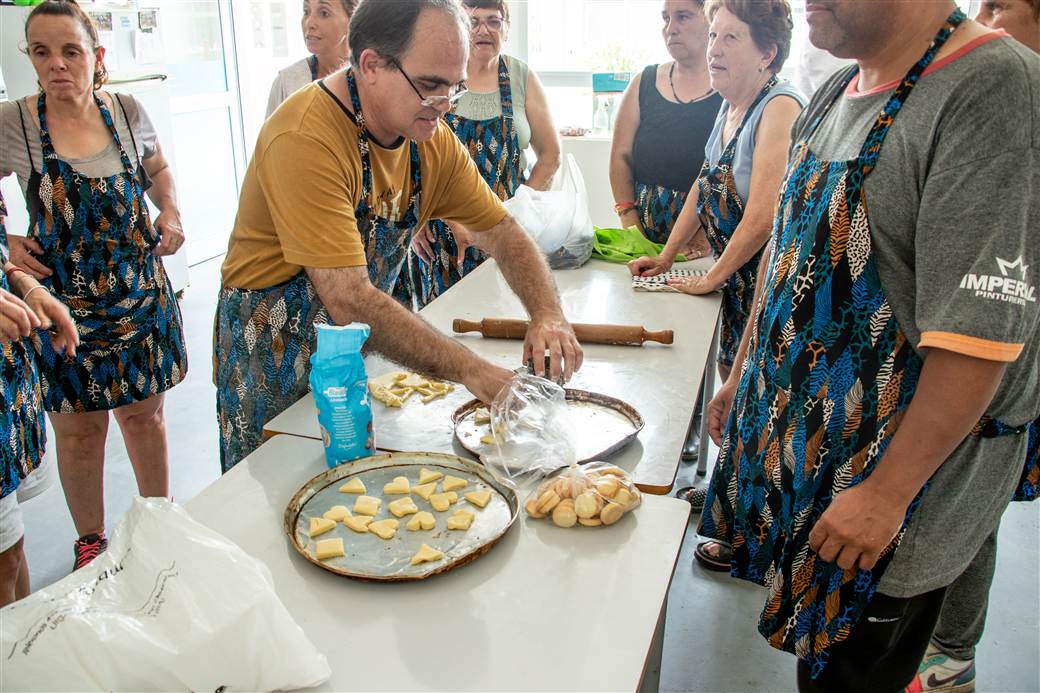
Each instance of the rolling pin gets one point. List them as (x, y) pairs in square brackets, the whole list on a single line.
[(618, 335)]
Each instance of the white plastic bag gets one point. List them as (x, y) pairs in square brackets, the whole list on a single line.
[(172, 605), (557, 219)]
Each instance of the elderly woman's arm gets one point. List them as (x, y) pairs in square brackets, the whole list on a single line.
[(622, 176), (544, 138), (164, 194), (767, 171)]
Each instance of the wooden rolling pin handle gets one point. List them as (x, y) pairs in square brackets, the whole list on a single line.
[(623, 335), (660, 336), (461, 326)]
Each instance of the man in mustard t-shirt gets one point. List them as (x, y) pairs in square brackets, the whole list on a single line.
[(342, 174)]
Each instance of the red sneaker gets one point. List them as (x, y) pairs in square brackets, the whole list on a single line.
[(87, 549)]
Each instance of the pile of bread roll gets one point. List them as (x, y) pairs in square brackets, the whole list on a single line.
[(590, 496)]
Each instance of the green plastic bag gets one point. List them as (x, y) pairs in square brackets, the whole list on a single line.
[(622, 245)]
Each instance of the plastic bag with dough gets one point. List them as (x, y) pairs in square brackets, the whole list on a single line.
[(428, 475), (336, 513), (320, 525), (367, 505), (398, 487), (403, 506), (384, 529), (426, 554), (353, 486), (452, 483), (329, 548)]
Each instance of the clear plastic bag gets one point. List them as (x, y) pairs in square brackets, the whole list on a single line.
[(532, 444)]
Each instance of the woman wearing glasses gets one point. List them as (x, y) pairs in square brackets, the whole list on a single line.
[(326, 26), (503, 111)]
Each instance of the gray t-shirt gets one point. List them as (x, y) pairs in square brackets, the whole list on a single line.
[(954, 203), (487, 105), (14, 156), (287, 82), (745, 150)]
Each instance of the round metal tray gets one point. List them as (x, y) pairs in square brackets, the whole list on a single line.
[(371, 558), (601, 425)]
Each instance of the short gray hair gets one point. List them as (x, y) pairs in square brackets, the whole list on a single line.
[(387, 26)]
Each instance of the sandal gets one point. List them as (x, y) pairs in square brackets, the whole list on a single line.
[(694, 495), (719, 562)]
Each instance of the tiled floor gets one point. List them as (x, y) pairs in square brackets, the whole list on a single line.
[(711, 643)]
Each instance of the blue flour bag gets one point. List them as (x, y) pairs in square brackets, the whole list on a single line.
[(340, 387)]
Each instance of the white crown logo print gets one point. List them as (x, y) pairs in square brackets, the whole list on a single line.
[(1002, 287)]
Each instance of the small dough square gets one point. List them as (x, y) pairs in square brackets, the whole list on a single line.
[(367, 505), (428, 475), (426, 554), (320, 525), (337, 513), (353, 486), (403, 506), (384, 529), (453, 483), (478, 498), (398, 487), (329, 548)]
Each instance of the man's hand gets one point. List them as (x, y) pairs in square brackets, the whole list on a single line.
[(171, 233), (17, 320), (718, 410), (487, 381), (54, 316), (859, 524), (22, 250), (555, 336)]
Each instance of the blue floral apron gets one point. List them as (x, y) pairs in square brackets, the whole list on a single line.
[(721, 211), (658, 206), (264, 337), (495, 148), (97, 238), (23, 433), (824, 388)]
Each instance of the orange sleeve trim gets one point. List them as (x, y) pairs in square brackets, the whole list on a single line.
[(971, 346)]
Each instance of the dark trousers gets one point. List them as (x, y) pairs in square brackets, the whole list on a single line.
[(883, 650)]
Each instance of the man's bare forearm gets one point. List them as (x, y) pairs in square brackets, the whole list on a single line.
[(397, 333), (524, 268)]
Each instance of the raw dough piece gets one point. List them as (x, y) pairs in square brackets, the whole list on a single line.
[(452, 483), (367, 505), (424, 491), (353, 486), (393, 389), (403, 506), (462, 519), (320, 525), (384, 529), (337, 513), (358, 523), (329, 548), (487, 440), (397, 487), (482, 416), (441, 501), (428, 475), (421, 520), (426, 554), (478, 498)]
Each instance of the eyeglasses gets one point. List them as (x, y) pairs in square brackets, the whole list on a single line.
[(455, 92), (494, 24)]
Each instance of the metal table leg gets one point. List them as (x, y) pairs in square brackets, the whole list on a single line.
[(707, 392)]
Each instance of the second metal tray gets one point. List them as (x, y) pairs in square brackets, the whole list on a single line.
[(601, 425)]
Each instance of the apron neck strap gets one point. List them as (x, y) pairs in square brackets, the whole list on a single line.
[(872, 146)]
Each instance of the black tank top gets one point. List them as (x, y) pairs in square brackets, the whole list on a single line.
[(669, 146)]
